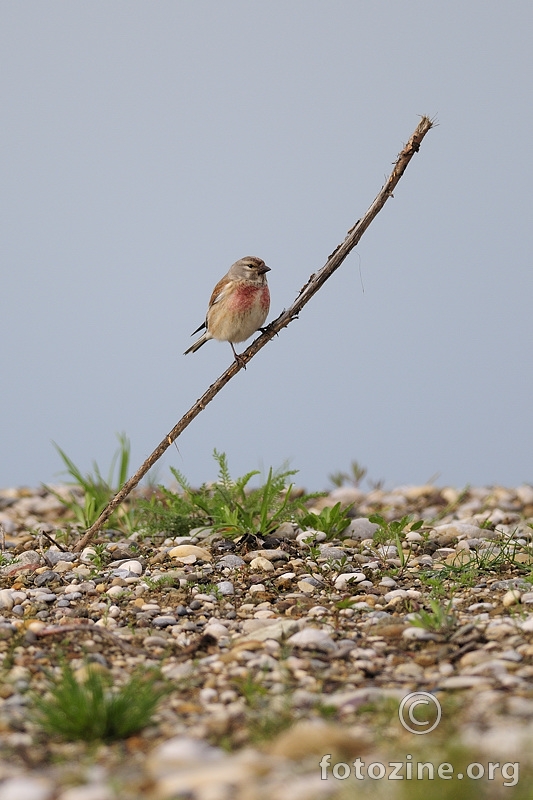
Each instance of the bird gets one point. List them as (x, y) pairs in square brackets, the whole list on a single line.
[(239, 305)]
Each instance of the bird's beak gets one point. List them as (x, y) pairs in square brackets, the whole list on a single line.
[(263, 269)]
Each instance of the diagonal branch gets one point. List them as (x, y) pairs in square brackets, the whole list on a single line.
[(306, 293)]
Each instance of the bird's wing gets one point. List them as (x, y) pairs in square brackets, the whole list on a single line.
[(220, 290), (202, 326)]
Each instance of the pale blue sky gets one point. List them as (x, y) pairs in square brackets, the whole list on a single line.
[(146, 146)]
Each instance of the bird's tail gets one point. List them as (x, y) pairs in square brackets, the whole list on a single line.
[(197, 344)]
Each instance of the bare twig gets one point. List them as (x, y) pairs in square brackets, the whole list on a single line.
[(306, 293)]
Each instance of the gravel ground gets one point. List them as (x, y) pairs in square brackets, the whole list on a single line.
[(278, 653)]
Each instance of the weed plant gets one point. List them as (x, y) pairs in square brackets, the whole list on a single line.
[(332, 521), (94, 709), (395, 532), (96, 490), (441, 619), (228, 506)]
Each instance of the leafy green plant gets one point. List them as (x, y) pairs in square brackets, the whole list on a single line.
[(346, 602), (228, 506), (441, 619), (96, 490), (355, 476), (161, 581), (100, 557), (93, 709), (331, 520), (395, 531)]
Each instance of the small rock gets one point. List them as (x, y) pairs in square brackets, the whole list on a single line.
[(401, 593), (27, 561), (463, 682), (87, 555), (270, 555), (409, 670), (6, 600), (313, 639), (287, 530), (155, 641), (216, 629), (164, 621), (307, 586), (226, 588), (314, 737), (180, 752), (511, 598), (231, 562), (115, 591), (53, 556), (420, 634), (262, 564), (133, 566), (22, 788), (345, 578), (269, 629), (360, 528), (333, 553), (525, 494), (185, 551), (48, 576), (91, 791)]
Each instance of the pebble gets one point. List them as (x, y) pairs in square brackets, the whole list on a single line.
[(6, 600), (262, 564), (226, 588), (287, 530), (88, 792), (25, 788), (361, 528), (186, 552), (511, 598), (231, 562), (164, 621), (54, 556), (345, 579), (216, 629), (313, 639), (269, 555)]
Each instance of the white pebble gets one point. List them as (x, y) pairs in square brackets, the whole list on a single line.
[(133, 566), (262, 564), (511, 598), (312, 638), (6, 600), (216, 629), (341, 581), (92, 791), (395, 593), (26, 789), (419, 634), (115, 591)]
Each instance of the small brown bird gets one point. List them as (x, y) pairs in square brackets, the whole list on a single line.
[(238, 306)]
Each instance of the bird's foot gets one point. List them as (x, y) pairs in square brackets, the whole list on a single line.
[(239, 359)]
